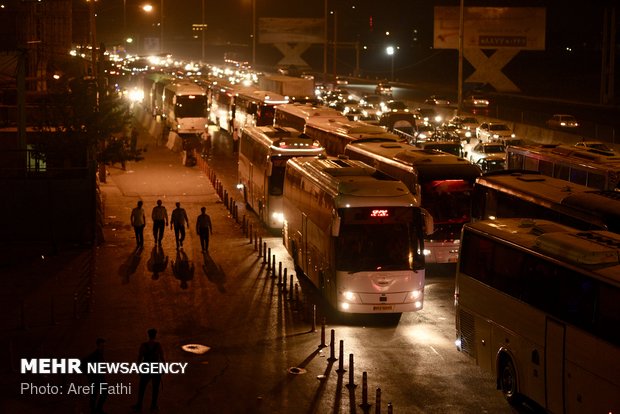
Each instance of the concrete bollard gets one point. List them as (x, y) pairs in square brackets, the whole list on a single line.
[(273, 266), (351, 383), (268, 257), (378, 401), (264, 252), (390, 409), (279, 273), (260, 247), (284, 283), (341, 369), (365, 405), (332, 346)]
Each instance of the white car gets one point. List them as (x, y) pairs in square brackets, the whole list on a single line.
[(437, 100), (486, 149), (488, 131), (476, 101), (562, 121)]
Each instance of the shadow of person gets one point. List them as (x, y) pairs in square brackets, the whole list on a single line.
[(182, 268), (129, 266), (158, 262), (214, 273)]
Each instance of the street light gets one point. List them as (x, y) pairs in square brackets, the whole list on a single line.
[(391, 51)]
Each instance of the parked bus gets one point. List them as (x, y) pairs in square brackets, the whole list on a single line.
[(334, 135), (296, 115), (263, 152), (185, 107), (155, 94), (508, 193), (356, 233), (222, 111), (538, 306), (254, 107), (568, 163), (442, 182)]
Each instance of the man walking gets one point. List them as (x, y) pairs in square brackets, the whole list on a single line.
[(160, 221), (99, 394), (204, 229), (150, 351), (138, 221), (178, 221)]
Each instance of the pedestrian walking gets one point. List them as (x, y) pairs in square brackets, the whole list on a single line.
[(204, 228), (138, 221), (150, 351), (178, 221), (99, 394), (160, 221)]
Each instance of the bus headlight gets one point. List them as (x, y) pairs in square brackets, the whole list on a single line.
[(415, 294), (418, 304), (239, 186), (426, 252), (345, 306), (349, 296), (279, 217)]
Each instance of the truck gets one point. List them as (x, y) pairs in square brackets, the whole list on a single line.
[(297, 89)]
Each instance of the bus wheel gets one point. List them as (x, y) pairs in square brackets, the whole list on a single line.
[(508, 381)]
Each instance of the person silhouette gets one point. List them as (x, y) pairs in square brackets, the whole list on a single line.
[(138, 221), (150, 351), (204, 228), (178, 221)]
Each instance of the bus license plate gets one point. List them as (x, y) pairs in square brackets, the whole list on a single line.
[(383, 308)]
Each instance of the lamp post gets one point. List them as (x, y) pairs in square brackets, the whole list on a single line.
[(161, 28), (460, 63), (253, 33), (391, 51)]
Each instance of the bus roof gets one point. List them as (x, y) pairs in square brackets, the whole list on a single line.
[(567, 151), (597, 252), (308, 112), (355, 129), (185, 87), (353, 183), (430, 164), (285, 139), (263, 96)]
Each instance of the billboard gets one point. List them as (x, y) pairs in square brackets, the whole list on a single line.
[(520, 28), (290, 30)]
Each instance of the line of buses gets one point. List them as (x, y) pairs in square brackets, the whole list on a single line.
[(537, 246)]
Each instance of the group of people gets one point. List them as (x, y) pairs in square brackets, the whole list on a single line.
[(178, 221), (150, 351)]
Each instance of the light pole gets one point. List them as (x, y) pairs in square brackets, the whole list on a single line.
[(391, 51), (253, 33), (161, 28)]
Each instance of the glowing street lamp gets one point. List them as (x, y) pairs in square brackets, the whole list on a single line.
[(391, 51)]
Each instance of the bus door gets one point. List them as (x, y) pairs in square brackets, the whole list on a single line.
[(555, 334)]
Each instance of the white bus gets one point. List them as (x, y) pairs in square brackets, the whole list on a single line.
[(538, 306), (255, 107), (568, 163), (263, 152), (222, 110), (185, 107), (443, 182), (356, 233), (334, 135), (296, 115), (509, 193)]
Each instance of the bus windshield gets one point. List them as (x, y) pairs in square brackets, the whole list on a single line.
[(190, 106), (448, 201), (392, 243)]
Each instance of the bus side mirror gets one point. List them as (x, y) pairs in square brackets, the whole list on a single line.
[(429, 226), (335, 226)]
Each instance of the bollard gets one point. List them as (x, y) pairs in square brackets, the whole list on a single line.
[(260, 247), (351, 383), (250, 231), (273, 266), (267, 257), (322, 344), (341, 369), (255, 241), (332, 346), (226, 199), (279, 273), (378, 401), (284, 283), (313, 329), (290, 290), (390, 409), (364, 403), (264, 252)]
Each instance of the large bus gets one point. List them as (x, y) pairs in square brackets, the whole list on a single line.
[(185, 107), (510, 193), (263, 152), (255, 107), (356, 233), (334, 135), (443, 182), (538, 307), (155, 94), (222, 111), (297, 115), (568, 163)]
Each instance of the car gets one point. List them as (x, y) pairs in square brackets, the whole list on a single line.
[(493, 130), (373, 100), (394, 106), (437, 100), (596, 147), (486, 149), (341, 80), (383, 88), (464, 126), (429, 115), (423, 132), (476, 101), (491, 163), (562, 121)]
